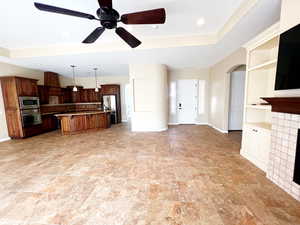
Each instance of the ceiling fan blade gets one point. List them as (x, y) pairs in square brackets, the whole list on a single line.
[(94, 35), (155, 16), (105, 4), (54, 9), (128, 37)]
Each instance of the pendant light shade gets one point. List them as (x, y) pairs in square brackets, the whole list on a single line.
[(74, 81), (96, 80)]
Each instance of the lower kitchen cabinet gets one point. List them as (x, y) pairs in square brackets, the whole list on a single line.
[(49, 123), (33, 130), (256, 145)]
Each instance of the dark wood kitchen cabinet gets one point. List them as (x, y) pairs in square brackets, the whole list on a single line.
[(67, 95), (94, 96), (49, 123), (55, 91), (89, 95), (76, 96), (43, 94), (51, 79), (12, 89), (84, 95), (26, 87)]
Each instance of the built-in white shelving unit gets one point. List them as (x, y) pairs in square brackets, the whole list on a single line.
[(262, 56), (262, 62)]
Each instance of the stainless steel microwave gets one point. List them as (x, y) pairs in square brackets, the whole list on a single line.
[(29, 102)]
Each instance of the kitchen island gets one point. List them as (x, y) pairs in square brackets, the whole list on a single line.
[(76, 122)]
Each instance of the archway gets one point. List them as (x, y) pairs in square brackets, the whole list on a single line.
[(234, 109)]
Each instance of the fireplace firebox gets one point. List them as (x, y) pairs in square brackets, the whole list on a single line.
[(297, 162)]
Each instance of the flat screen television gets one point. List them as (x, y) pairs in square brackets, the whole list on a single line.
[(288, 65)]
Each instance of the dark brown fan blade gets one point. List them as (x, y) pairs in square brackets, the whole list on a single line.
[(94, 35), (105, 4), (155, 16), (128, 37), (54, 9)]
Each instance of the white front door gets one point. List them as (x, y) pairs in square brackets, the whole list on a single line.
[(236, 109), (187, 101)]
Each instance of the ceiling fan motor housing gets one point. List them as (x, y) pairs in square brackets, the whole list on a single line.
[(108, 17)]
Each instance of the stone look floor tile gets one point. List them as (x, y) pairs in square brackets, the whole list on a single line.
[(188, 175)]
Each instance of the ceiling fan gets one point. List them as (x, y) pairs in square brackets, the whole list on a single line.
[(109, 18)]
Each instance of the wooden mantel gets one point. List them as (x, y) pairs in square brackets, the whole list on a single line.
[(285, 104)]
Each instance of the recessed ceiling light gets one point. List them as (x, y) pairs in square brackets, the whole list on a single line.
[(200, 22)]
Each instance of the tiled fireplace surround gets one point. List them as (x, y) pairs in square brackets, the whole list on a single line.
[(282, 156)]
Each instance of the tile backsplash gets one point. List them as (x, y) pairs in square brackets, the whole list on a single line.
[(283, 152)]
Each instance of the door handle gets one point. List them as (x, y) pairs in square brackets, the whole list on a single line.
[(180, 106)]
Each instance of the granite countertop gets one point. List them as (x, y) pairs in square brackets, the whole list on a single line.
[(66, 104), (70, 114)]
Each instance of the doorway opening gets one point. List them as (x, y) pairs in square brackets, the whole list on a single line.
[(236, 101)]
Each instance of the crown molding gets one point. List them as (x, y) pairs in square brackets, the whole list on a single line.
[(264, 36), (236, 17), (148, 43)]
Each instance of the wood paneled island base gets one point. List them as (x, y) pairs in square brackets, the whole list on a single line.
[(77, 122)]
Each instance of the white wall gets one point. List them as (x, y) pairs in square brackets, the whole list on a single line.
[(11, 70), (189, 74), (219, 89), (89, 82), (290, 15), (149, 84)]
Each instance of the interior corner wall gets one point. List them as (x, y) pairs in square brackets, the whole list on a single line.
[(12, 70), (219, 86), (149, 87), (89, 82), (190, 74)]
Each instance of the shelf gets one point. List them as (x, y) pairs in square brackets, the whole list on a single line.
[(263, 65), (266, 126), (260, 107)]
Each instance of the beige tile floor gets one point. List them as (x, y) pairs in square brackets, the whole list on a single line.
[(190, 175)]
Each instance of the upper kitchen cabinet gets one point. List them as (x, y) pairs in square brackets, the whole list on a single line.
[(43, 94), (110, 89), (89, 95), (26, 87), (75, 96), (67, 95), (51, 79)]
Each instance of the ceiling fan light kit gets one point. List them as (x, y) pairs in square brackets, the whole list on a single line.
[(109, 19)]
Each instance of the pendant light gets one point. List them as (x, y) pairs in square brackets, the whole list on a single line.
[(96, 88), (74, 81)]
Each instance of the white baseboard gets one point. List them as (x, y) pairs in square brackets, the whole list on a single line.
[(202, 124), (174, 124), (5, 139), (220, 130)]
